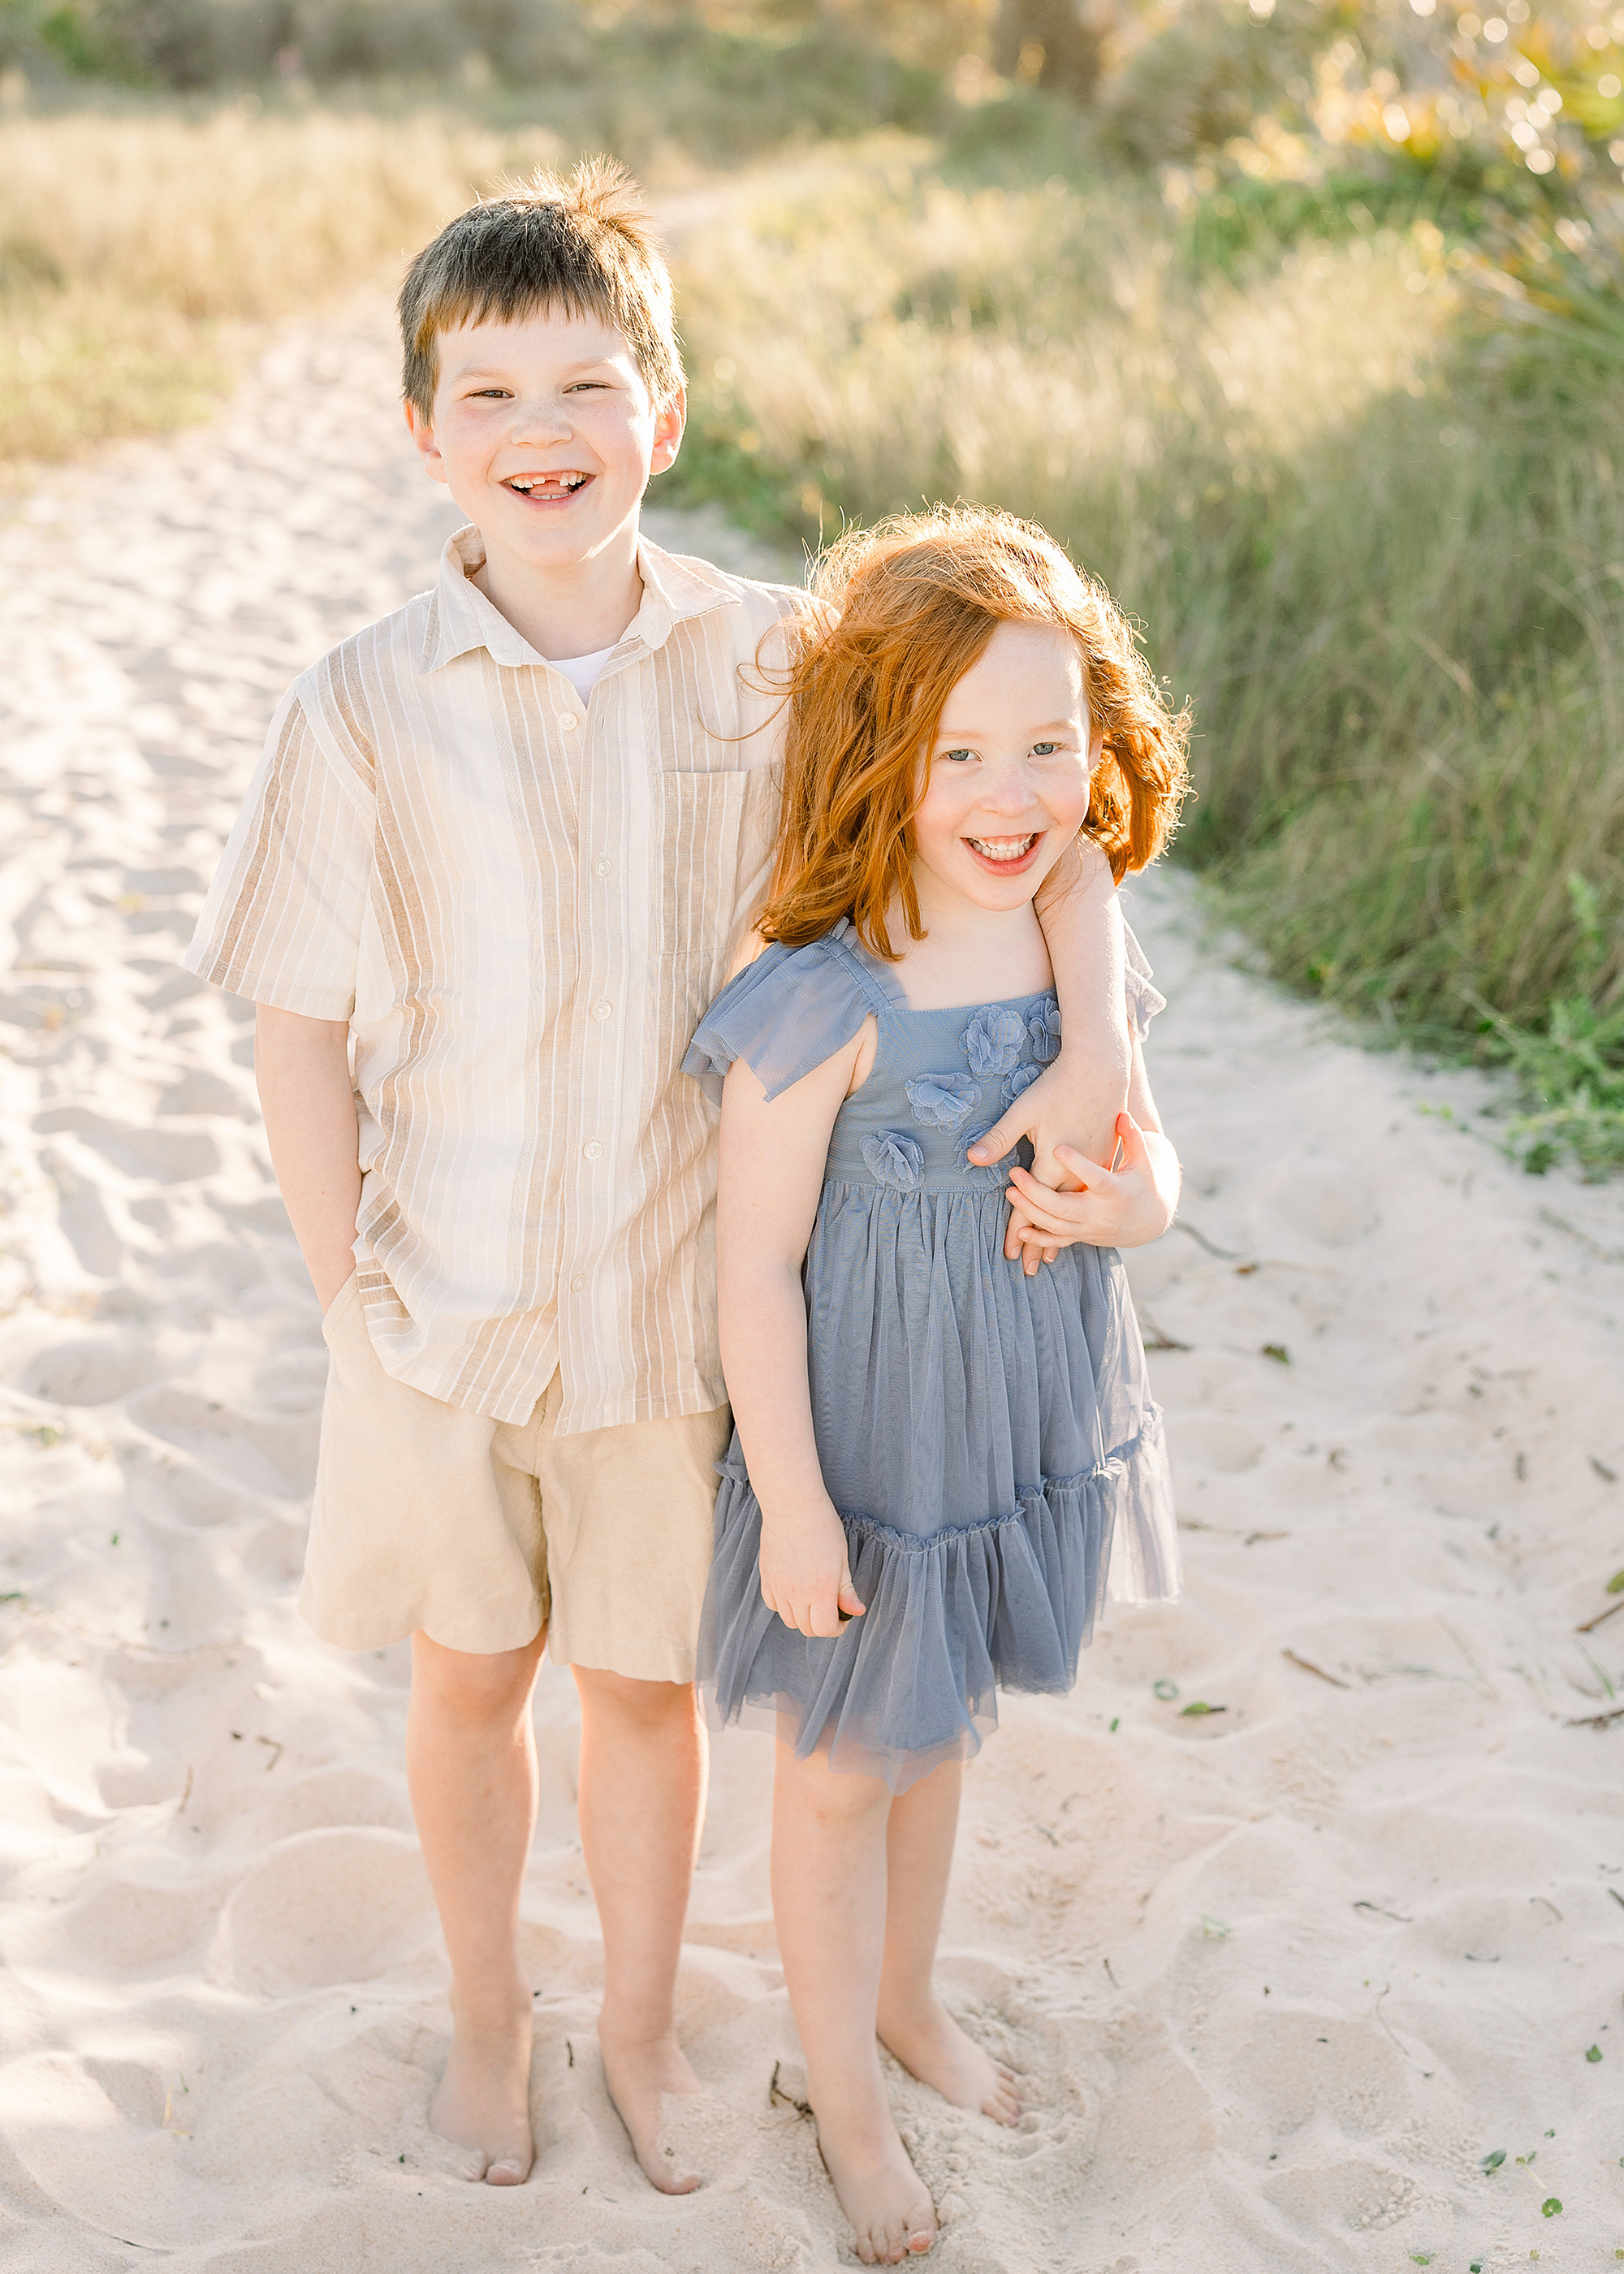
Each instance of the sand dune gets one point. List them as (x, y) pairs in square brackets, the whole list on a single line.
[(1279, 1975)]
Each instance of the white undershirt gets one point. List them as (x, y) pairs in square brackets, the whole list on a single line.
[(583, 672)]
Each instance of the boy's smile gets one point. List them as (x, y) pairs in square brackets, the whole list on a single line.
[(544, 432)]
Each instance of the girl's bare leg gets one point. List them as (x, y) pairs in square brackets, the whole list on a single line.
[(913, 2022), (829, 1896), (471, 1763)]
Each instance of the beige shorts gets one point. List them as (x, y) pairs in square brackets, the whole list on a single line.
[(482, 1531)]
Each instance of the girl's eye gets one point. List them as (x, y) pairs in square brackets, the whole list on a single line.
[(954, 757)]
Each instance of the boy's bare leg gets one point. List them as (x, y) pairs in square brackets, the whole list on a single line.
[(471, 1763), (643, 1762), (829, 1896), (913, 2023)]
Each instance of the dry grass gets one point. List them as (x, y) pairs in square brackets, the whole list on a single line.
[(126, 244), (1383, 562)]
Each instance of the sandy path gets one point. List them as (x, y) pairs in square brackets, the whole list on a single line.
[(1279, 1977)]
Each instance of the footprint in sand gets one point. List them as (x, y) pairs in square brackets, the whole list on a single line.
[(91, 1373), (174, 1155), (345, 1905)]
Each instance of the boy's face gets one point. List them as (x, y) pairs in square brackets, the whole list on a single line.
[(545, 433)]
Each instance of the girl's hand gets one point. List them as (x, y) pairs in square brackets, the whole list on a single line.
[(1078, 1097), (1117, 1208), (805, 1576)]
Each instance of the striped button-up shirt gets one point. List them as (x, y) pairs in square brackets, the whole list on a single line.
[(523, 905)]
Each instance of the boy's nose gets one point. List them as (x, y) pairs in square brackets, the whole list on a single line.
[(539, 420)]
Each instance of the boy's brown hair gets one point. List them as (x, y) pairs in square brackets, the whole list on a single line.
[(581, 242), (912, 605)]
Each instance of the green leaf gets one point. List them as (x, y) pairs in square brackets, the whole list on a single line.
[(1278, 1352), (1115, 1718), (1594, 2054), (1420, 2257), (1550, 2206), (1495, 2158), (1615, 1585), (1164, 1689), (1200, 1705), (1214, 1928)]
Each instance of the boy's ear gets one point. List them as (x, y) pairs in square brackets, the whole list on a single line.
[(423, 435), (668, 425)]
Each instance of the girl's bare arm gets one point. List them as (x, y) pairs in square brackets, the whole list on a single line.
[(770, 1175), (302, 1067)]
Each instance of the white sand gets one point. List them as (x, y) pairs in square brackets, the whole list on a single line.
[(1277, 1979)]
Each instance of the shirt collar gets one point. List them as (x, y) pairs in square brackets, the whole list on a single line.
[(462, 619)]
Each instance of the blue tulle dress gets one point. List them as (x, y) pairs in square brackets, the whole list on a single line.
[(989, 1440)]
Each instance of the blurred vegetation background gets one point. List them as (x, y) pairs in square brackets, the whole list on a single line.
[(1300, 321)]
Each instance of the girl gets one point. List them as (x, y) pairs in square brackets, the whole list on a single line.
[(936, 1456)]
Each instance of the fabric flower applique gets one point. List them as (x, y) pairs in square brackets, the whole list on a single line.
[(1023, 1078), (1043, 1026), (943, 1101), (895, 1158), (993, 1040)]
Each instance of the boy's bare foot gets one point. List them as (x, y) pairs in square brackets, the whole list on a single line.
[(640, 2074), (931, 2046), (484, 2099), (880, 2192)]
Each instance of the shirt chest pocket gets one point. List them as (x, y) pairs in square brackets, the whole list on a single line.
[(700, 820)]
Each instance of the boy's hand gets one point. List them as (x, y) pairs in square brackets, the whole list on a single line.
[(805, 1576), (1070, 1108), (1113, 1207)]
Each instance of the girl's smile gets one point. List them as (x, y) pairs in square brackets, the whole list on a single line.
[(1007, 782)]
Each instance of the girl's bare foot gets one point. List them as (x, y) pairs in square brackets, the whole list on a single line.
[(639, 2075), (931, 2046), (880, 2192), (484, 2099)]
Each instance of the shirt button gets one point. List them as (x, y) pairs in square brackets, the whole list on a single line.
[(602, 864), (577, 1283), (601, 1009), (592, 1149), (567, 718)]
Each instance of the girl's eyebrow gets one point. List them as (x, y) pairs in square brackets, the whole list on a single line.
[(975, 733)]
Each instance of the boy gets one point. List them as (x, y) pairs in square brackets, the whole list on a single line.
[(503, 845)]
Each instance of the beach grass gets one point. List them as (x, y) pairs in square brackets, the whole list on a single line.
[(1372, 527), (135, 244), (1378, 540)]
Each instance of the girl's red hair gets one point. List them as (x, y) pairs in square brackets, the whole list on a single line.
[(910, 605)]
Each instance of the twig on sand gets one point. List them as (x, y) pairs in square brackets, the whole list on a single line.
[(774, 2095), (1403, 1918), (276, 1751), (1617, 1897), (1228, 1254), (1611, 1611), (1309, 1667), (1157, 1338), (1595, 1720)]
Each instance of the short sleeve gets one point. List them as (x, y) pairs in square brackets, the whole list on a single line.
[(786, 1013), (1144, 999), (283, 922)]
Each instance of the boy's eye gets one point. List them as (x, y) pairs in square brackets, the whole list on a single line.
[(1044, 750)]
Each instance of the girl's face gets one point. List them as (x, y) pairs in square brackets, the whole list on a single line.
[(1007, 785)]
